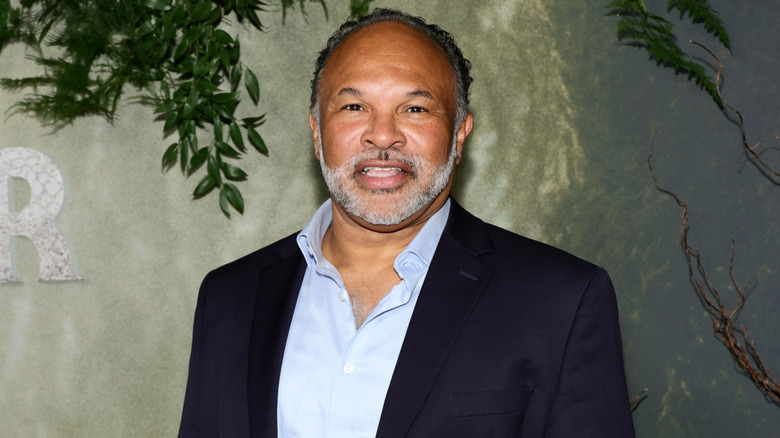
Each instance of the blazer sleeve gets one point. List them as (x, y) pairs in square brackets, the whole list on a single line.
[(592, 400), (192, 411)]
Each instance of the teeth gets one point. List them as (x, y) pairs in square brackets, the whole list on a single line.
[(381, 171)]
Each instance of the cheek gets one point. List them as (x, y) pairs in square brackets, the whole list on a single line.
[(338, 147), (432, 143)]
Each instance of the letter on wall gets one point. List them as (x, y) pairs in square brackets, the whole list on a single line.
[(36, 220)]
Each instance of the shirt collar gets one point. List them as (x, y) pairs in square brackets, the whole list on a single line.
[(423, 245)]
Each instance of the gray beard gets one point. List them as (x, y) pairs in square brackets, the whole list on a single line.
[(346, 192)]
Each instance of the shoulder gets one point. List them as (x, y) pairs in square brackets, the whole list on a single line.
[(258, 260), (513, 249), (241, 277), (509, 251), (524, 270), (228, 292)]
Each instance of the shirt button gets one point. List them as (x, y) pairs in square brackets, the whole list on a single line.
[(311, 251), (349, 368), (343, 296)]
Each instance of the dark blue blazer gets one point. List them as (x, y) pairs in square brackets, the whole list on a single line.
[(509, 338)]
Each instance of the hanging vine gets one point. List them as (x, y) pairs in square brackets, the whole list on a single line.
[(175, 53)]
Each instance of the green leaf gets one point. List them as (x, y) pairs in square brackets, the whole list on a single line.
[(223, 112), (357, 8), (223, 202), (206, 87), (204, 186), (224, 58), (148, 26), (194, 33), (218, 130), (191, 127), (187, 111), (178, 15), (223, 37), (225, 149), (234, 197), (181, 94), (701, 12), (183, 46), (250, 80), (193, 140), (224, 97), (169, 157), (201, 67), (235, 52), (171, 121), (235, 77), (216, 15), (183, 154), (198, 159), (254, 121), (165, 107), (212, 168), (208, 113), (165, 91), (211, 44), (201, 11), (253, 18), (235, 135), (233, 173), (256, 140)]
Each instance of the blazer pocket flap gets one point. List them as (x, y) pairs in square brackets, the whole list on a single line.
[(501, 401)]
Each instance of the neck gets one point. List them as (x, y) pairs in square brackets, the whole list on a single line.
[(365, 256), (348, 243)]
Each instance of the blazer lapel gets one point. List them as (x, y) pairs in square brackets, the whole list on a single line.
[(452, 287), (274, 306)]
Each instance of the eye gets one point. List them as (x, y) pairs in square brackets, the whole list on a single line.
[(416, 109), (353, 107)]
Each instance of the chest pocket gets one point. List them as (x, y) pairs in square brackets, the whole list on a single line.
[(502, 401)]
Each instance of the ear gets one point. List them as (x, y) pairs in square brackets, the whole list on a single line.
[(463, 131), (314, 134)]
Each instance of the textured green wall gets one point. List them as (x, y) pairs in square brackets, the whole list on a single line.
[(558, 153)]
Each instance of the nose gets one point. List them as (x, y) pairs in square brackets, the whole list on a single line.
[(383, 132)]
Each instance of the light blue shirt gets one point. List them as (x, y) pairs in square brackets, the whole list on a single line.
[(334, 378)]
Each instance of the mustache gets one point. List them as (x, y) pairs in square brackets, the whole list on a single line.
[(391, 154)]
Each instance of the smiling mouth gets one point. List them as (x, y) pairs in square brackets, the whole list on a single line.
[(381, 172)]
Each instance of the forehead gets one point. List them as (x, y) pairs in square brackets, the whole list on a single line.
[(388, 48)]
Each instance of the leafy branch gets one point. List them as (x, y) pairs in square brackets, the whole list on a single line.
[(175, 53), (701, 12), (656, 34)]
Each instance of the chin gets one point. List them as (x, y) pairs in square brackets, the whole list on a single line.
[(387, 209)]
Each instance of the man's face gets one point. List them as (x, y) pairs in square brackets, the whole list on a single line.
[(386, 138)]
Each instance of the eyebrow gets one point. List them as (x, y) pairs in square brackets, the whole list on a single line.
[(350, 91), (424, 94)]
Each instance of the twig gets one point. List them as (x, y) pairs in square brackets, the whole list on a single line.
[(637, 399), (749, 149), (742, 349)]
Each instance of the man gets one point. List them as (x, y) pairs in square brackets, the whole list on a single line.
[(395, 313)]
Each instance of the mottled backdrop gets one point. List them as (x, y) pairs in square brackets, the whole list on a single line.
[(564, 122)]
